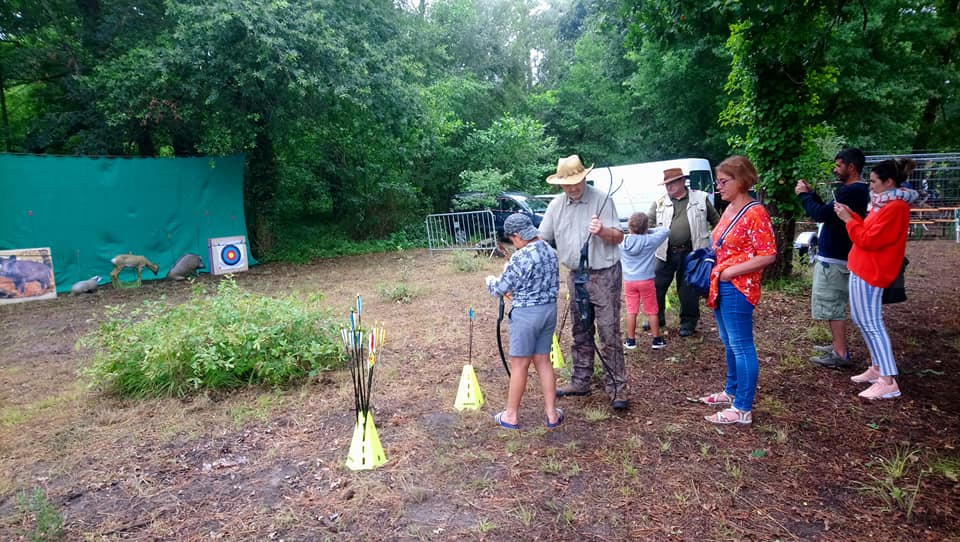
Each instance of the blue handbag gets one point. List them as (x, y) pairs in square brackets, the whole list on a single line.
[(698, 265)]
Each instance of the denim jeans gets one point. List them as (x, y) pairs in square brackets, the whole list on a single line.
[(734, 316)]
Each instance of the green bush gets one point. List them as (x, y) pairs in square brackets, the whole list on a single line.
[(466, 261), (227, 340)]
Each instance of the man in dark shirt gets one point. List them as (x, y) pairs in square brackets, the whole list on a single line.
[(829, 296)]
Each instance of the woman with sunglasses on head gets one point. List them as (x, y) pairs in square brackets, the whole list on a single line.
[(745, 244), (879, 246)]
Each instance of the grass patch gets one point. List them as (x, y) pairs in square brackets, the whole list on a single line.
[(12, 416), (400, 292), (41, 520), (705, 449), (772, 405), (525, 515), (481, 484), (791, 362), (466, 261), (227, 340), (819, 334), (551, 466), (734, 470), (892, 487), (486, 525), (776, 434), (948, 467), (260, 410), (594, 414)]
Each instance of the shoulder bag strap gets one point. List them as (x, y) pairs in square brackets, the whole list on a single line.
[(734, 221)]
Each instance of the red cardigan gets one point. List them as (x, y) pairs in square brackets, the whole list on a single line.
[(879, 243)]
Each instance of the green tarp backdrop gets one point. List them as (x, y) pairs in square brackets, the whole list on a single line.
[(88, 210)]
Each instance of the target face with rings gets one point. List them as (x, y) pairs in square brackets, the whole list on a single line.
[(228, 254)]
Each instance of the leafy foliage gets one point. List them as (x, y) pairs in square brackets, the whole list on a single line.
[(371, 111), (681, 66), (227, 340), (305, 242), (480, 189), (517, 147)]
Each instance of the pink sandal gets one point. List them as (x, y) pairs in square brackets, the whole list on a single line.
[(717, 399), (730, 416)]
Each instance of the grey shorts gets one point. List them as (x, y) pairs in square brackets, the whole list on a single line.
[(830, 295), (531, 329)]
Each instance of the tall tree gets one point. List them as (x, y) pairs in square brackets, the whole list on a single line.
[(681, 67), (588, 109), (896, 65), (778, 62)]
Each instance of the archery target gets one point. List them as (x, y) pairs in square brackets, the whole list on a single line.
[(228, 254)]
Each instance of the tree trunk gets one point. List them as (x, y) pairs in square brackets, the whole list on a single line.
[(921, 143), (260, 188), (785, 230), (3, 108)]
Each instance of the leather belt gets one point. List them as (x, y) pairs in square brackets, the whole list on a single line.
[(679, 249)]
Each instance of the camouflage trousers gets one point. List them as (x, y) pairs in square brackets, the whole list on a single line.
[(605, 289)]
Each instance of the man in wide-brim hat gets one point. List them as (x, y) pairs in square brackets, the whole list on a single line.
[(690, 217), (585, 213)]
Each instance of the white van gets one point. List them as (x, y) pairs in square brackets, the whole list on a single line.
[(641, 182)]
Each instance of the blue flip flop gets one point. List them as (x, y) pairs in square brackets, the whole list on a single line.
[(498, 417), (559, 419)]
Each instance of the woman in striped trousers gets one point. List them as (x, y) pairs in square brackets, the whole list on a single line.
[(879, 245)]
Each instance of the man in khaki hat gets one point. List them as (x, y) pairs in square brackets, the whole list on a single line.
[(581, 213), (690, 217)]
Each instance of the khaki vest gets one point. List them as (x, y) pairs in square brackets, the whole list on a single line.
[(696, 216)]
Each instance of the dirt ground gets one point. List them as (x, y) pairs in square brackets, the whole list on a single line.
[(817, 463)]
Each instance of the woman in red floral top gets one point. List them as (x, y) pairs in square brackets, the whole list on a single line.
[(735, 286)]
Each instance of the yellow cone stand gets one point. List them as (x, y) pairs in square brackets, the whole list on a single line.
[(469, 395), (556, 355), (365, 450)]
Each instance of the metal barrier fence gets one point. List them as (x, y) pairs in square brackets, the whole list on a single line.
[(473, 230), (936, 176)]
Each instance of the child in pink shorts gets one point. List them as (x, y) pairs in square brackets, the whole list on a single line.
[(638, 251)]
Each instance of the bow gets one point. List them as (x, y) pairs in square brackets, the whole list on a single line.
[(503, 358), (582, 277)]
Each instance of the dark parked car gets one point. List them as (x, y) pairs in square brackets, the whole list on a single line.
[(505, 204)]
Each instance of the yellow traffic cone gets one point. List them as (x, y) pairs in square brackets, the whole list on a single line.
[(556, 355), (365, 450), (469, 395)]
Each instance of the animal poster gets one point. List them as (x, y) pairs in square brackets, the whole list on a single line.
[(26, 275), (228, 254)]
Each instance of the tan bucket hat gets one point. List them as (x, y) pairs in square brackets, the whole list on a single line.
[(570, 170)]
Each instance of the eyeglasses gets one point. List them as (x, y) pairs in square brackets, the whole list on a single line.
[(722, 182)]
